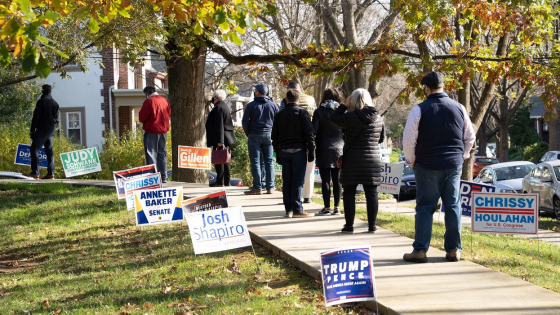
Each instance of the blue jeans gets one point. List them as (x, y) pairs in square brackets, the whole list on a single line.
[(430, 186), (261, 143), (154, 149), (40, 140), (293, 177)]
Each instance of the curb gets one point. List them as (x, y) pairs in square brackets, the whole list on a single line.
[(375, 306)]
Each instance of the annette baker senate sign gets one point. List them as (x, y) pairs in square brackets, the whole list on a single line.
[(156, 206)]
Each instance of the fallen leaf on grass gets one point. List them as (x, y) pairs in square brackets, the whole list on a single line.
[(58, 311), (233, 268), (297, 305), (46, 303), (307, 298), (167, 290), (3, 292), (550, 257), (249, 308), (147, 306), (320, 297)]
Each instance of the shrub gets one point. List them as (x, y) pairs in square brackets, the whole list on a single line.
[(240, 166), (535, 151)]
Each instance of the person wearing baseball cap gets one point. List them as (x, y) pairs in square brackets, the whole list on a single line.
[(43, 125), (257, 124), (438, 136)]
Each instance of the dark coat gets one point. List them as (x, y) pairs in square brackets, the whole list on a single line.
[(362, 156), (292, 129), (45, 115), (328, 138), (219, 126)]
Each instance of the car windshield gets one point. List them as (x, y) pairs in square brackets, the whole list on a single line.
[(487, 160), (557, 172), (407, 170), (512, 172)]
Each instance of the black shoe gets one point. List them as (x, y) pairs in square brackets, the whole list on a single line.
[(324, 211), (306, 200), (336, 211), (372, 229), (347, 229)]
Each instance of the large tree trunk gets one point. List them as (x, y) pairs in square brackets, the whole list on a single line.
[(186, 96), (503, 143), (554, 131), (465, 99)]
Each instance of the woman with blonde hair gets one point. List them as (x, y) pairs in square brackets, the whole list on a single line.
[(361, 162)]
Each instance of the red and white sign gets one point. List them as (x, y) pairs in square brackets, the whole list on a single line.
[(505, 213), (193, 157)]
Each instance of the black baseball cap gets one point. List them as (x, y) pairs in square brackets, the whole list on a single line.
[(433, 80), (262, 88)]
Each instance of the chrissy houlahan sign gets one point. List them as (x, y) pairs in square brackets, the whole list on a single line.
[(23, 156), (391, 175), (466, 190), (218, 230), (149, 181), (348, 275), (157, 206), (120, 176), (80, 162), (505, 213)]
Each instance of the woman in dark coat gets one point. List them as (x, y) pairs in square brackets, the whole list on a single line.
[(219, 133), (364, 129), (329, 140)]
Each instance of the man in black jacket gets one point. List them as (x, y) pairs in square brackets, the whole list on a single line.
[(219, 133), (294, 144), (43, 125)]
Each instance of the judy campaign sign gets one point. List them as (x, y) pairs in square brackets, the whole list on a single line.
[(505, 213), (207, 202), (120, 176), (391, 175), (348, 275), (23, 156), (150, 181), (193, 157), (466, 190), (218, 230), (157, 206), (80, 162)]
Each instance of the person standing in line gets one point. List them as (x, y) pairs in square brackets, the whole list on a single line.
[(154, 115), (219, 134), (329, 141), (257, 124), (43, 125), (306, 102), (294, 144), (438, 136), (364, 130)]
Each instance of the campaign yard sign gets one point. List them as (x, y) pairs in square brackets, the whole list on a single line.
[(157, 206), (207, 202), (466, 189), (23, 156), (196, 158), (348, 275), (80, 162), (391, 175), (149, 181), (505, 213), (218, 230), (120, 176)]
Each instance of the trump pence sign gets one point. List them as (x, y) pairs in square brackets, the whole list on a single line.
[(157, 206), (505, 213), (193, 157), (348, 275)]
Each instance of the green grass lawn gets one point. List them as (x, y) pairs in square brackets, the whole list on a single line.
[(75, 250)]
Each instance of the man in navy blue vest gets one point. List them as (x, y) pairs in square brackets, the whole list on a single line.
[(437, 138)]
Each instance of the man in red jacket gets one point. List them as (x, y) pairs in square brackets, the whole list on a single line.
[(155, 115)]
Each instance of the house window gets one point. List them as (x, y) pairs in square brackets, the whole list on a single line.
[(74, 127)]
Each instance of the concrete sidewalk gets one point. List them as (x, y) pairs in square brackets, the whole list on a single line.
[(436, 287)]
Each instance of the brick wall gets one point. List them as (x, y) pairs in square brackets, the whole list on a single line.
[(138, 77), (123, 76), (124, 120)]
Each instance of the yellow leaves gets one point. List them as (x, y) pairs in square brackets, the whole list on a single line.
[(179, 14)]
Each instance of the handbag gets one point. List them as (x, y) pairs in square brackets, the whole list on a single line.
[(221, 155), (341, 158)]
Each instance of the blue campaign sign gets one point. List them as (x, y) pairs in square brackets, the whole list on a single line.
[(466, 190), (23, 156), (348, 275)]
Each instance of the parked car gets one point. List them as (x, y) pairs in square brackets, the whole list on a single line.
[(487, 153), (14, 175), (408, 181), (507, 177), (401, 157), (480, 162), (550, 156), (212, 179), (544, 180)]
